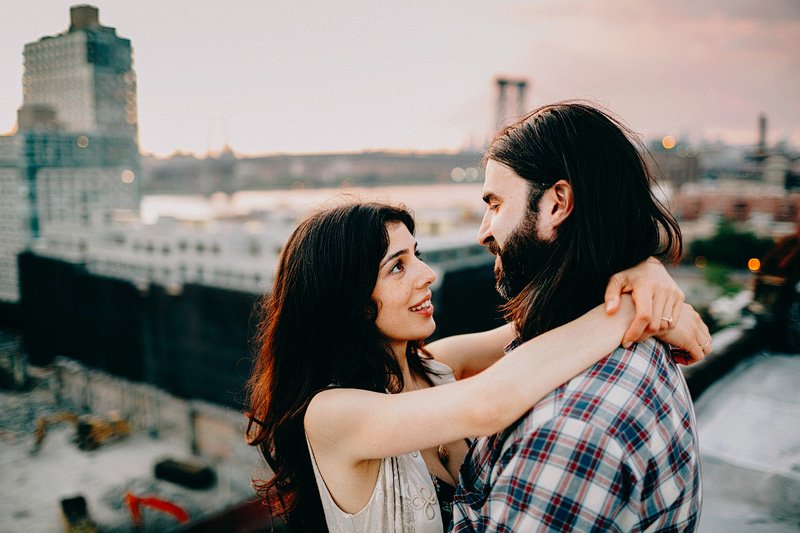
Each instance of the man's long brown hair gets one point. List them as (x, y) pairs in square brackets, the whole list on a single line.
[(616, 221)]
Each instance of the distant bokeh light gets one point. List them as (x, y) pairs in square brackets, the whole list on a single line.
[(700, 261), (128, 176), (754, 264), (668, 142), (82, 141)]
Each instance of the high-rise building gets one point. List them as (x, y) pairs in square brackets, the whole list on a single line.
[(13, 217), (74, 159), (84, 75)]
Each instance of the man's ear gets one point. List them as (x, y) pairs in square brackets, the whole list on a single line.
[(556, 205)]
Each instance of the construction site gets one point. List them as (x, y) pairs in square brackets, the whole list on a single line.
[(93, 452)]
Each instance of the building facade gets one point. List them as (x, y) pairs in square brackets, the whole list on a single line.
[(74, 159), (84, 75), (14, 217)]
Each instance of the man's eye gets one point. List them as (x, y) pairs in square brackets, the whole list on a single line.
[(418, 253)]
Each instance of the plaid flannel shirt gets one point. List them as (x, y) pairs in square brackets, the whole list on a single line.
[(614, 449)]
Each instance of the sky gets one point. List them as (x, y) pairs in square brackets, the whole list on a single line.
[(273, 76)]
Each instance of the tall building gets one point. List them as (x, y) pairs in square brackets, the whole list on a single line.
[(13, 218), (74, 159), (84, 75)]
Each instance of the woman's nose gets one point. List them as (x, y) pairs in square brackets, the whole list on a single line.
[(428, 276)]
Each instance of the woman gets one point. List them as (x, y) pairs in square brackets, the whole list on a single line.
[(343, 327)]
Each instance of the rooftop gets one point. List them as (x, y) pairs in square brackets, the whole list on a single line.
[(749, 428)]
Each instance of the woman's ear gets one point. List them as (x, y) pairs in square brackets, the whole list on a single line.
[(556, 205)]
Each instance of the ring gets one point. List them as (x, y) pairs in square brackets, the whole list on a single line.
[(706, 344), (668, 319)]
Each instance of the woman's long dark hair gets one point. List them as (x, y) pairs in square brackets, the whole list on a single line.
[(318, 331), (616, 221)]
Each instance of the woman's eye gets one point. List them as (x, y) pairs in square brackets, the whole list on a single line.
[(398, 267)]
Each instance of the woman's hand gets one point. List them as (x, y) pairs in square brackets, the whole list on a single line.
[(689, 339), (658, 299)]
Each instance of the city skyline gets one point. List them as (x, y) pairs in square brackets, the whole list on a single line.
[(315, 77)]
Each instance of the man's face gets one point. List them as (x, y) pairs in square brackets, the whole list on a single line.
[(510, 229)]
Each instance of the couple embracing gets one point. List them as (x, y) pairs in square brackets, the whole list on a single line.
[(572, 416)]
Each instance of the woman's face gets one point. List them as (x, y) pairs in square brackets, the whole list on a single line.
[(402, 292)]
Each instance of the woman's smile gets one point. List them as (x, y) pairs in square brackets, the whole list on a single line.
[(425, 308)]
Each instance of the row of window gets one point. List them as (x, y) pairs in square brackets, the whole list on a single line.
[(183, 274), (183, 246), (199, 247), (53, 244)]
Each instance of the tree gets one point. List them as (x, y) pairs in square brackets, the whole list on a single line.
[(730, 247)]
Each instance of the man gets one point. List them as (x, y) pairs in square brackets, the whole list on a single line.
[(615, 449)]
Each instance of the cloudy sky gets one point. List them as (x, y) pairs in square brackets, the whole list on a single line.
[(294, 76)]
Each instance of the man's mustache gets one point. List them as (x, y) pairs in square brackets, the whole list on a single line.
[(493, 247)]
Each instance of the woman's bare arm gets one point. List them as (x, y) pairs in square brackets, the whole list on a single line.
[(657, 298), (356, 425), (471, 353)]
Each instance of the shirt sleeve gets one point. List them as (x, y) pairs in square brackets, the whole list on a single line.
[(567, 475)]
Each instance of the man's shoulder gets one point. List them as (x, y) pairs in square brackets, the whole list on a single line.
[(614, 448), (640, 377), (628, 394)]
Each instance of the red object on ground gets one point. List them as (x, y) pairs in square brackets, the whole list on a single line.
[(135, 502)]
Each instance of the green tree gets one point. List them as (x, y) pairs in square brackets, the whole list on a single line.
[(719, 275), (731, 247)]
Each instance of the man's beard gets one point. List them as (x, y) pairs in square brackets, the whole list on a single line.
[(520, 259)]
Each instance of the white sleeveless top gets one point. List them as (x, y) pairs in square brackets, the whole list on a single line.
[(403, 500)]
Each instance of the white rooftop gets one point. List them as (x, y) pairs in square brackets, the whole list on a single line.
[(749, 430)]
